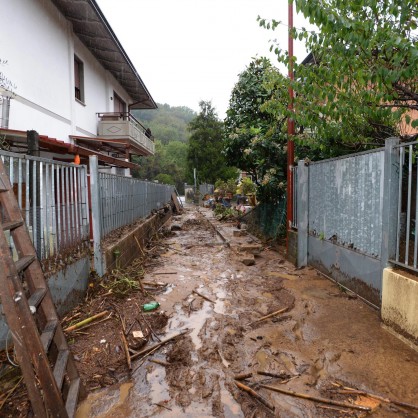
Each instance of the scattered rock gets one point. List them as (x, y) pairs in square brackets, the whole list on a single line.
[(239, 233), (251, 248), (248, 259)]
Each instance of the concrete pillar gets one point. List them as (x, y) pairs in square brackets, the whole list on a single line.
[(303, 212), (96, 215), (390, 201)]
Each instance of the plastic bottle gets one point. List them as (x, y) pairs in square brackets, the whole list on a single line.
[(150, 306)]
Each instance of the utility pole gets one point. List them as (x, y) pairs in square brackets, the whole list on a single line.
[(290, 126)]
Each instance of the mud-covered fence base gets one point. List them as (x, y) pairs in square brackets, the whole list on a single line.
[(132, 245), (267, 221)]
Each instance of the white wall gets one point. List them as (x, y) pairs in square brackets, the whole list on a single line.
[(39, 46)]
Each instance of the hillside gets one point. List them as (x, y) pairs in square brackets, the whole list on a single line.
[(167, 123)]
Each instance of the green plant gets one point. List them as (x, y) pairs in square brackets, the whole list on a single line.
[(247, 186)]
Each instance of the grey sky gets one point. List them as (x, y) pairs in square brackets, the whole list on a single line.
[(191, 50)]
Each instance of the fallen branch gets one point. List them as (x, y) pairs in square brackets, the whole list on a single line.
[(93, 323), (163, 406), (269, 316), (332, 408), (86, 321), (155, 346), (160, 362), (150, 328), (315, 398), (243, 376), (10, 392), (166, 272), (278, 376), (255, 395), (378, 397), (203, 296), (126, 348)]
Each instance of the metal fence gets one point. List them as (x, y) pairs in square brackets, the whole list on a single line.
[(345, 201), (53, 199), (124, 200), (407, 208)]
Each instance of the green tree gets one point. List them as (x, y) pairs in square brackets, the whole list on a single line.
[(255, 128), (361, 77), (169, 160), (205, 147)]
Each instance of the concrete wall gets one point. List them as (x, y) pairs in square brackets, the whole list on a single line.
[(292, 246), (400, 304), (68, 288), (123, 252), (39, 47)]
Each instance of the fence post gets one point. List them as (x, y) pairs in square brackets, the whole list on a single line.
[(302, 213), (96, 215), (390, 202)]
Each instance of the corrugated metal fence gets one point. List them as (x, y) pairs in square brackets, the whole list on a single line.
[(345, 201), (53, 199)]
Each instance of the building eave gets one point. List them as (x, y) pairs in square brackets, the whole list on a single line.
[(94, 31)]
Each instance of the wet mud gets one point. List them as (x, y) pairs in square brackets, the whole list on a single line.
[(322, 339)]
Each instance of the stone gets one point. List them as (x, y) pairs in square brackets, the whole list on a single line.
[(248, 259), (251, 248), (238, 233)]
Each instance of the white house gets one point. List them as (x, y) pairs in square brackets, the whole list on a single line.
[(64, 74)]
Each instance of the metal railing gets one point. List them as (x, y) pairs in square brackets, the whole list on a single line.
[(294, 223), (53, 199), (406, 234), (124, 200)]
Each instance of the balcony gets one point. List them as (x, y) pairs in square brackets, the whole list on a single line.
[(123, 126)]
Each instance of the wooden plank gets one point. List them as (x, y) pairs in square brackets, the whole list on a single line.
[(48, 333), (60, 366), (176, 202), (7, 226), (37, 297), (24, 262), (72, 398)]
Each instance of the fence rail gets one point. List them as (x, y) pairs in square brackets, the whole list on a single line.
[(53, 199), (123, 200), (407, 214)]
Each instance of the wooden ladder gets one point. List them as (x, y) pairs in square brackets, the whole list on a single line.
[(48, 368)]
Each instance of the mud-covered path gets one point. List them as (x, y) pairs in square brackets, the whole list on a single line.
[(324, 337)]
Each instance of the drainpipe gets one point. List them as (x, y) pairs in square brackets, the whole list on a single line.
[(5, 111)]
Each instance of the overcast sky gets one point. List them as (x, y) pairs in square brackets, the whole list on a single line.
[(191, 50)]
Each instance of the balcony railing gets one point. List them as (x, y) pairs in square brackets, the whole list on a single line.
[(122, 125)]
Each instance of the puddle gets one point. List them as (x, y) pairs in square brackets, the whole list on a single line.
[(230, 407), (100, 406), (195, 322), (159, 390)]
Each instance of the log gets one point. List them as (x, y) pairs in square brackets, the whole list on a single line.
[(243, 376), (353, 391), (155, 346), (255, 395), (269, 315), (126, 348), (315, 398), (86, 321), (203, 296), (160, 362), (275, 375)]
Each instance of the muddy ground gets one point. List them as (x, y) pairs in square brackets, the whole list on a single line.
[(322, 342)]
